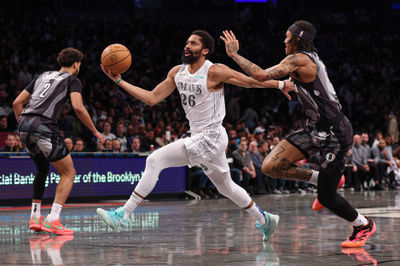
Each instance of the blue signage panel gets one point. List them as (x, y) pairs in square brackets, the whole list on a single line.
[(96, 176)]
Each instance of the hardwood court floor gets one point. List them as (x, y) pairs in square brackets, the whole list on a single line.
[(208, 232)]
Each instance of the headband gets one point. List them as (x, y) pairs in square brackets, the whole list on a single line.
[(296, 30)]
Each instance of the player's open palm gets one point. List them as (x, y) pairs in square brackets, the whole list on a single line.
[(231, 43)]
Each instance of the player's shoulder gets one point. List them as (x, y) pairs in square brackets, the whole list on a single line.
[(73, 79), (174, 70), (297, 58), (217, 68)]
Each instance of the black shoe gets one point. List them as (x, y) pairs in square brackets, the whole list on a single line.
[(211, 193), (202, 194)]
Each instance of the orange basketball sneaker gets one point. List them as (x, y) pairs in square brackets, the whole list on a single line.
[(56, 228), (360, 235), (35, 224), (318, 206)]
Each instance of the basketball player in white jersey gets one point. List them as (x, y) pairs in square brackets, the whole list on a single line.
[(327, 131), (200, 85)]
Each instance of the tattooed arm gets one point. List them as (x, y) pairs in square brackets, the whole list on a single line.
[(288, 65)]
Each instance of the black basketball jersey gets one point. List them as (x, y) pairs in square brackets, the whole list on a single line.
[(318, 98), (49, 92)]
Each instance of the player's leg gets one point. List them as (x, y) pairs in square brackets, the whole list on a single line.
[(218, 172), (66, 170), (171, 155), (280, 163), (39, 183), (42, 169)]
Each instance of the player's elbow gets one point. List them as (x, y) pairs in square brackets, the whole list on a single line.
[(260, 76), (17, 104), (78, 109)]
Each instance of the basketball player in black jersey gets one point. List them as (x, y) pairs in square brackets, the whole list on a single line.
[(327, 132), (44, 97)]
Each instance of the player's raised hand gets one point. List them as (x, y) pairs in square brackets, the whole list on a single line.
[(231, 43), (113, 77)]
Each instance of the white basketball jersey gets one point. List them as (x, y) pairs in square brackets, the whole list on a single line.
[(204, 109)]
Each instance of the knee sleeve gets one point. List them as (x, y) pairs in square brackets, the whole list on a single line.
[(42, 169), (328, 180)]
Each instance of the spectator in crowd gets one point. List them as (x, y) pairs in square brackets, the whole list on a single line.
[(69, 144), (107, 131), (250, 117), (370, 160), (116, 146), (378, 137), (259, 133), (393, 127), (149, 140), (11, 144), (136, 146), (79, 145), (120, 134), (360, 164), (260, 180), (233, 109), (384, 164), (4, 124), (107, 147), (235, 172), (206, 188), (18, 144), (244, 163)]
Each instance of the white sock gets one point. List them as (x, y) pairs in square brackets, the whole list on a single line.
[(360, 220), (55, 212), (257, 213), (35, 211), (131, 205), (314, 178)]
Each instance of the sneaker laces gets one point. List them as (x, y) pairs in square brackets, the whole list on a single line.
[(357, 230)]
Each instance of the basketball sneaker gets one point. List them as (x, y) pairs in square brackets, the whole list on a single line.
[(318, 206), (113, 218), (271, 222), (35, 224), (360, 235), (55, 227)]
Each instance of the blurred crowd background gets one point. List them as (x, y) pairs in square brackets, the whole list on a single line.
[(357, 40)]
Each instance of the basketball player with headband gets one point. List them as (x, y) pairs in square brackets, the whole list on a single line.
[(327, 131)]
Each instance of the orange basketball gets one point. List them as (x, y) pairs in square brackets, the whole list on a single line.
[(116, 58)]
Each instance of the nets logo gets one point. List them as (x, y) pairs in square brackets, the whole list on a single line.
[(330, 157)]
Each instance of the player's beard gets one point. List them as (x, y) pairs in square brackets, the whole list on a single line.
[(189, 59)]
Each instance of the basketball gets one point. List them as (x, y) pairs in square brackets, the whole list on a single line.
[(116, 58)]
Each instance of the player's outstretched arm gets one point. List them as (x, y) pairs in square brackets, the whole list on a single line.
[(223, 73), (159, 93), (83, 115), (284, 68)]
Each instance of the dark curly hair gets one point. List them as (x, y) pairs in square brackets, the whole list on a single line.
[(68, 56), (302, 44), (206, 39)]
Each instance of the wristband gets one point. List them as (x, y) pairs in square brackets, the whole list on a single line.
[(118, 81), (281, 84)]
